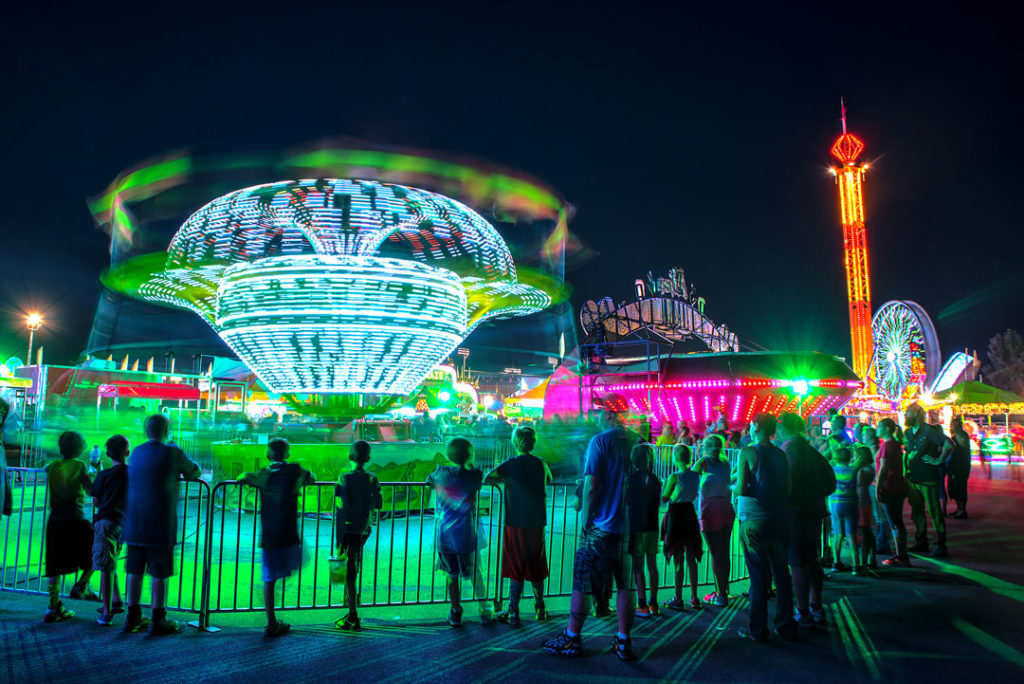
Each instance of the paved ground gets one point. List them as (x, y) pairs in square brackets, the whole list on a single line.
[(934, 622)]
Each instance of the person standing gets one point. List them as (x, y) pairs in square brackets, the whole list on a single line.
[(358, 496), (812, 480), (150, 530), (959, 467), (523, 559), (891, 488), (604, 542), (716, 514), (883, 533), (924, 445), (109, 492), (763, 486)]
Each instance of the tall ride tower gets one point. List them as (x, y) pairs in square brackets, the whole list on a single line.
[(849, 178)]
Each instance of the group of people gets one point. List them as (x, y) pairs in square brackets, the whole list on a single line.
[(792, 491)]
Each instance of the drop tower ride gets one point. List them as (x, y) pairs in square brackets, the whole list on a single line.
[(849, 177)]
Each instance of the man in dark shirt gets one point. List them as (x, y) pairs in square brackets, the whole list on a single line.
[(151, 522), (523, 559), (925, 446), (109, 492)]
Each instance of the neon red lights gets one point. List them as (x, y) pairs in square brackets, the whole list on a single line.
[(847, 148)]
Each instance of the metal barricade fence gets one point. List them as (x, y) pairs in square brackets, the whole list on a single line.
[(562, 539), (663, 465), (399, 558), (23, 560)]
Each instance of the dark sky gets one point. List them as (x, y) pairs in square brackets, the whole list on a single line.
[(683, 136)]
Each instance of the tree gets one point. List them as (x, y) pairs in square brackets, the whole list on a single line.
[(1006, 362)]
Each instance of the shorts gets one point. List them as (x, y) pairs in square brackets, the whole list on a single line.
[(457, 564), (601, 554), (523, 558), (282, 562), (643, 543), (68, 546), (805, 538), (680, 531), (844, 518), (156, 561), (716, 513), (106, 545), (352, 544)]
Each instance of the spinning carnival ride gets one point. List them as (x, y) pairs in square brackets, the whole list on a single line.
[(906, 349)]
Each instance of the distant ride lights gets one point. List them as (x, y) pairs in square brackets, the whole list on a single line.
[(341, 285)]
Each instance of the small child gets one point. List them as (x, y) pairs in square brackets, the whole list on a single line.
[(523, 559), (68, 534), (865, 506), (644, 494), (680, 529), (844, 506), (455, 488), (109, 492), (357, 495), (279, 485)]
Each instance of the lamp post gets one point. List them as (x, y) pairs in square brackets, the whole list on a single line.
[(34, 321)]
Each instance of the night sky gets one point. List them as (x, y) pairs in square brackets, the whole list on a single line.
[(682, 137)]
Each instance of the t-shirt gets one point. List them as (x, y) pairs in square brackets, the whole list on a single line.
[(846, 485), (279, 485), (67, 480), (890, 455), (767, 496), (644, 494), (359, 494), (525, 478), (455, 490), (811, 477), (110, 490), (607, 462), (151, 510), (926, 440)]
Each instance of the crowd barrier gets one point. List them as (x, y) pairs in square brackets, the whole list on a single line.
[(218, 568), (23, 559)]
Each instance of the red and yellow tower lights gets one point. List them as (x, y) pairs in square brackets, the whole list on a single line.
[(849, 178)]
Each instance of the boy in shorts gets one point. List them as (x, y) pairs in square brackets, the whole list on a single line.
[(455, 488), (279, 484), (68, 533), (357, 495), (644, 491), (109, 492), (523, 559)]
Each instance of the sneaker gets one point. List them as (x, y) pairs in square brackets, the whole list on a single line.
[(602, 611), (838, 566), (84, 593), (695, 603), (803, 620), (164, 626), (105, 619), (818, 615), (716, 599), (623, 648), (745, 633), (919, 548), (507, 617), (939, 551), (896, 563), (348, 624), (58, 614), (642, 612), (675, 604), (272, 631), (655, 610), (563, 644), (135, 624), (540, 613), (455, 617)]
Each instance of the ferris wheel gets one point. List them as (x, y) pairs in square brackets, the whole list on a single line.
[(906, 348)]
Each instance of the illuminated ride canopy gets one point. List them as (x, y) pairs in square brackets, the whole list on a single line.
[(337, 285)]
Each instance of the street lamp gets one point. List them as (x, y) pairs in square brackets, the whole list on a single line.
[(34, 321)]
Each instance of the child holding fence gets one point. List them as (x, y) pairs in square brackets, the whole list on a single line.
[(279, 484), (357, 495), (523, 559), (455, 488), (680, 530), (644, 491), (109, 493), (68, 534)]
